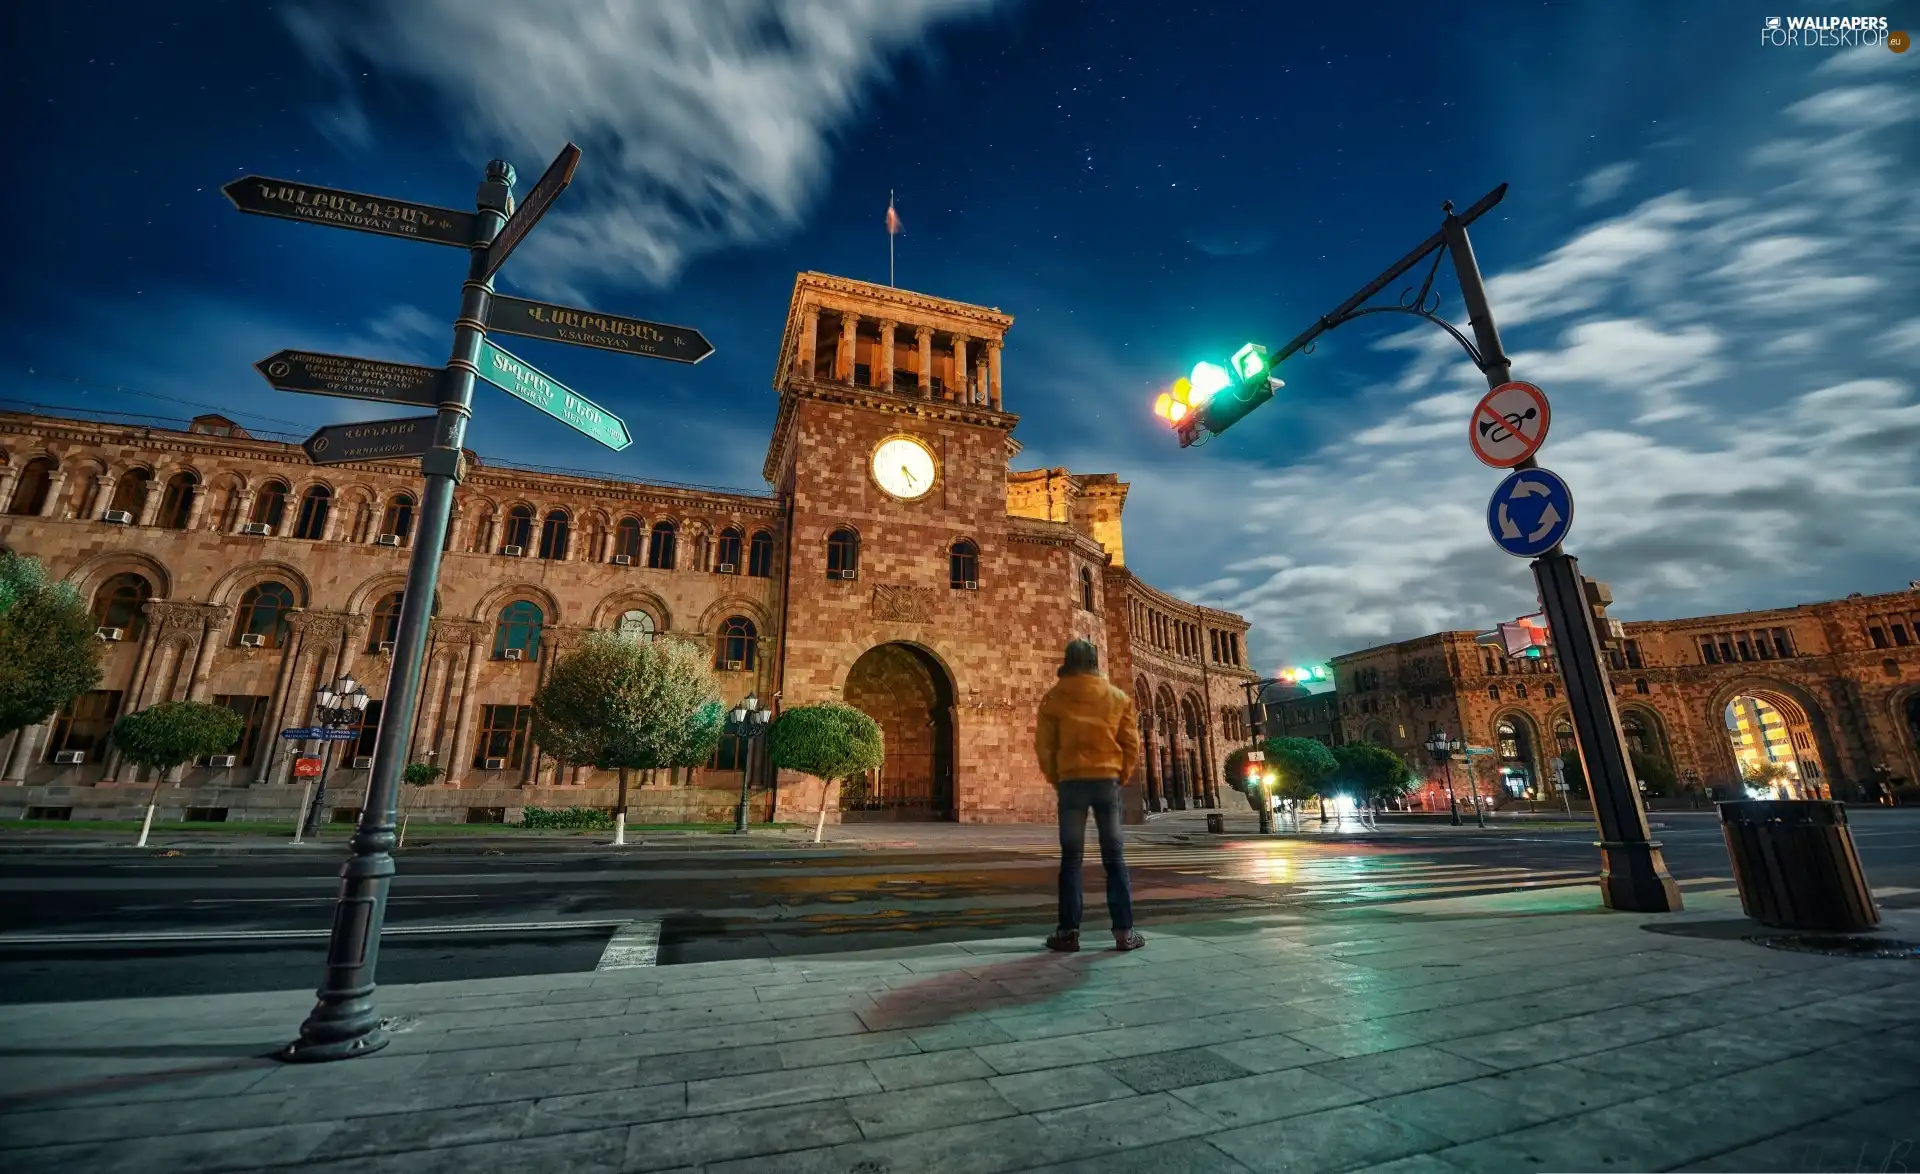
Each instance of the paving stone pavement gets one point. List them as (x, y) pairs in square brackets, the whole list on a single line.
[(1436, 1037)]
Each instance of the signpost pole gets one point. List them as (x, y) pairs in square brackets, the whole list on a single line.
[(1633, 873), (310, 819), (344, 1022)]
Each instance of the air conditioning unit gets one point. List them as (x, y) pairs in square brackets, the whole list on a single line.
[(387, 540), (724, 569), (495, 764), (622, 560), (70, 757), (252, 640), (363, 762), (513, 551), (260, 529), (513, 654), (736, 666), (117, 517), (223, 760), (846, 574), (111, 633), (386, 648), (971, 585)]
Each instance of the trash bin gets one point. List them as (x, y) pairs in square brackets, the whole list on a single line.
[(1795, 864), (1216, 823)]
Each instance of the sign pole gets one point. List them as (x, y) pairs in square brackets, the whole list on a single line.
[(1633, 873), (344, 1021)]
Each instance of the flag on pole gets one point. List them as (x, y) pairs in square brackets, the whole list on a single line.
[(893, 218)]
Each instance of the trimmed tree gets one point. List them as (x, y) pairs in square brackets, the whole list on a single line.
[(48, 652), (830, 741), (1301, 766), (173, 733), (416, 774), (1376, 773)]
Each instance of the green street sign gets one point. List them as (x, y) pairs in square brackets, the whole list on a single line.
[(556, 399)]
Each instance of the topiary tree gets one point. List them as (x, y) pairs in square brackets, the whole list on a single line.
[(173, 733), (48, 652), (1373, 772), (1300, 767), (830, 741), (416, 774)]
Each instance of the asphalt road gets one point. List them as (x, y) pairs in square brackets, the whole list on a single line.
[(473, 915)]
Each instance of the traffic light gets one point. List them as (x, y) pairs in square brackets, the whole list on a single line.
[(1524, 638), (1301, 676), (1213, 398)]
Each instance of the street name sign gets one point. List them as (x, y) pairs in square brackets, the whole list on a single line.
[(1509, 424), (1479, 750), (318, 734), (300, 734), (371, 440), (551, 396), (559, 175), (1530, 513), (291, 200), (313, 373), (609, 332)]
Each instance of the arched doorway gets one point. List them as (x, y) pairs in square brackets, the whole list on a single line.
[(1515, 751), (910, 694), (1172, 771), (1647, 744), (1776, 745)]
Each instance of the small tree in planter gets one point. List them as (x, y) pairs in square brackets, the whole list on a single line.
[(417, 774), (1300, 766), (1375, 773), (830, 741), (170, 734), (48, 652)]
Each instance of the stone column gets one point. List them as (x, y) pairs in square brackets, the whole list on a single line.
[(330, 527), (8, 474), (606, 542), (243, 512), (103, 495), (56, 495), (923, 338), (959, 370), (276, 707), (427, 716), (993, 374), (883, 370), (809, 342), (463, 721), (25, 744), (977, 389), (214, 622), (150, 502), (197, 508), (849, 327)]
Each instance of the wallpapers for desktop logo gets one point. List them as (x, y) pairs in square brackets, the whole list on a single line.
[(1830, 32)]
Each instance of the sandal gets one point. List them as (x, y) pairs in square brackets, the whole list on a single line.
[(1130, 940), (1064, 941)]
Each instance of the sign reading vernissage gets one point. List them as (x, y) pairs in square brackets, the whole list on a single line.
[(291, 200), (371, 440)]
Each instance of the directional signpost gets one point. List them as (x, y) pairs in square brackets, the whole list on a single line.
[(609, 332), (1509, 425), (551, 396), (373, 440), (1530, 513), (312, 373), (559, 175), (291, 200)]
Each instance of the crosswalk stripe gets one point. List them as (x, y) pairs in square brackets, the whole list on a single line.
[(633, 945)]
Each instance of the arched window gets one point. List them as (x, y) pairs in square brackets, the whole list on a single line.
[(726, 557), (1563, 737), (263, 613), (627, 539), (1640, 685), (131, 492), (176, 504), (635, 624), (963, 565), (385, 628), (843, 554), (734, 652), (760, 555), (518, 631), (660, 550), (1086, 589), (117, 604), (553, 536), (399, 517), (269, 506), (518, 534), (30, 491), (312, 522)]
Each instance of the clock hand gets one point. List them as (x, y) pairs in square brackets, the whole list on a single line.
[(908, 474)]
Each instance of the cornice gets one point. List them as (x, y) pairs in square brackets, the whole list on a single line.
[(894, 296)]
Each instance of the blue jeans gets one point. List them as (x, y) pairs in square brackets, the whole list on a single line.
[(1103, 796)]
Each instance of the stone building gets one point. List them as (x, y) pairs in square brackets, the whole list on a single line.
[(1830, 691), (898, 562)]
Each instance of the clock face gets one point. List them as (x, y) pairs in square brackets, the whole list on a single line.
[(904, 467)]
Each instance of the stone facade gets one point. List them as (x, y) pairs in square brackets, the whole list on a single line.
[(217, 574), (1844, 676)]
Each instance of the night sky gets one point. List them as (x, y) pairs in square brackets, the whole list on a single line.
[(1707, 256)]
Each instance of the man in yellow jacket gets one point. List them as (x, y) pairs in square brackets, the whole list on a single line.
[(1088, 744)]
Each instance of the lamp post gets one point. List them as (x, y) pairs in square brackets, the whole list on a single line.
[(1443, 749), (338, 706), (748, 721)]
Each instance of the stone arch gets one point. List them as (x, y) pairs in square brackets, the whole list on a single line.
[(231, 584), (606, 614), (87, 577), (1196, 747), (487, 611), (734, 605), (1174, 784), (1524, 755), (1809, 730), (1149, 743), (371, 591), (1904, 706), (1658, 741), (1376, 732), (910, 692)]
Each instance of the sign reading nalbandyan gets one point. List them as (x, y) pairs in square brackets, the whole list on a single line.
[(551, 396), (608, 332), (334, 208)]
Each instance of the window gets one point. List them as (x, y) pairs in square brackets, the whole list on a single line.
[(1707, 652), (117, 604), (963, 564), (263, 612), (1633, 654), (518, 630), (1086, 588), (519, 529), (1782, 642), (385, 626), (1726, 652), (729, 754), (660, 551), (369, 729), (628, 538), (1520, 690), (1550, 690), (1746, 650), (84, 723), (503, 735), (399, 517), (176, 504), (553, 536), (1563, 737), (843, 554), (735, 646), (270, 506), (760, 555), (1213, 645), (131, 493), (253, 712), (635, 625), (1640, 685), (1493, 691), (30, 491), (727, 552), (312, 522), (1890, 667), (1878, 635), (1900, 635)]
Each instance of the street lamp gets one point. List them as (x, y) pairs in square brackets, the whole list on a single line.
[(339, 706), (1443, 749), (747, 721)]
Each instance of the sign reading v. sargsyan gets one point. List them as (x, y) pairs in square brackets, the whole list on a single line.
[(290, 200), (608, 332)]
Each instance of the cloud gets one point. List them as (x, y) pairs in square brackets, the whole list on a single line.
[(705, 125), (1869, 107), (1602, 185)]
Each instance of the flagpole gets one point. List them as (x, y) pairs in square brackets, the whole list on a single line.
[(890, 235)]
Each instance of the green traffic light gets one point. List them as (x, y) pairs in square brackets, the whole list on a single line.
[(1250, 362), (1207, 378)]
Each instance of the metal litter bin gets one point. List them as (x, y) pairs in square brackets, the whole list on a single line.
[(1216, 823), (1795, 864)]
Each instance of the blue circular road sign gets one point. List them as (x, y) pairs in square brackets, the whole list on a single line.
[(1530, 513)]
